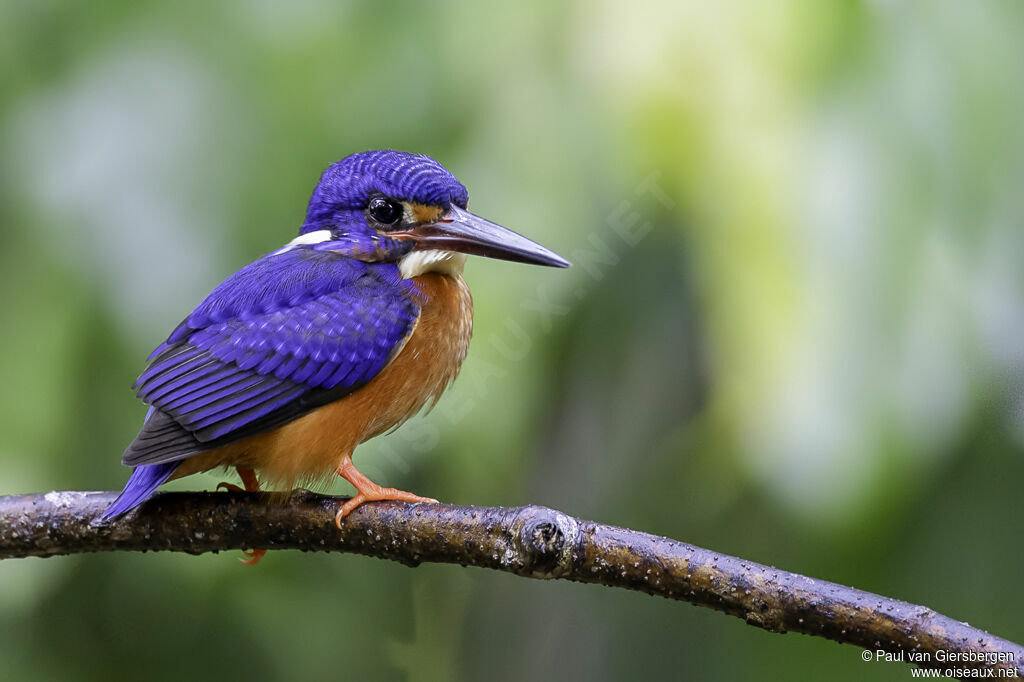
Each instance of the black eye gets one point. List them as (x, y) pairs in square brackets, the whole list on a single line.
[(384, 211)]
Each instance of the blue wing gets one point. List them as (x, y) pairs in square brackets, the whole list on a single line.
[(282, 336)]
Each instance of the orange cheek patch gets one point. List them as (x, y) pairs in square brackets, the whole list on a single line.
[(423, 213)]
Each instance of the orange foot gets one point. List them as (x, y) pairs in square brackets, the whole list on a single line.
[(368, 491), (252, 485)]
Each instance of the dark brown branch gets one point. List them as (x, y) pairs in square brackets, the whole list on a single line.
[(531, 541)]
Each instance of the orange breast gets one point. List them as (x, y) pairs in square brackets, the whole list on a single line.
[(313, 446)]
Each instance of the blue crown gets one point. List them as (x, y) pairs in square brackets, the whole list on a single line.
[(349, 183)]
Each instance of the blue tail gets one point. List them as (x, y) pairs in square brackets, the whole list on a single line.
[(143, 482)]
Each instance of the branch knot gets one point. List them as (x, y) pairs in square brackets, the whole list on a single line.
[(547, 538)]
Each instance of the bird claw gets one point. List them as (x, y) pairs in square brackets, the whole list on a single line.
[(229, 487), (253, 556), (378, 495)]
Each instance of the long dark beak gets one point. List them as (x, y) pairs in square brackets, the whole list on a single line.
[(460, 230)]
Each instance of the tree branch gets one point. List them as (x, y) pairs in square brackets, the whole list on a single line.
[(533, 542)]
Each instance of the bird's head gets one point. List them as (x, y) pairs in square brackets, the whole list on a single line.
[(388, 206)]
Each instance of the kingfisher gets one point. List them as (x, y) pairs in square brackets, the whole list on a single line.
[(351, 328)]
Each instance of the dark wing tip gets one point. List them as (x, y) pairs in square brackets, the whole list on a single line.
[(160, 440)]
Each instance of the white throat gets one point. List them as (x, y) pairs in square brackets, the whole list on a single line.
[(416, 263)]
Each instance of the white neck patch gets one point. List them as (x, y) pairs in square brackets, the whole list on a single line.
[(315, 237), (413, 264), (416, 263)]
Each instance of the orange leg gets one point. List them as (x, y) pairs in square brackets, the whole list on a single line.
[(368, 491), (249, 479), (252, 485)]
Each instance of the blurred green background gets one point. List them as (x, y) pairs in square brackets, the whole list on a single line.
[(794, 330)]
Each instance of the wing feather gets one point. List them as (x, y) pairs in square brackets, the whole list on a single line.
[(282, 336)]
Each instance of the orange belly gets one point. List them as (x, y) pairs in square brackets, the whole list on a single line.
[(312, 447)]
